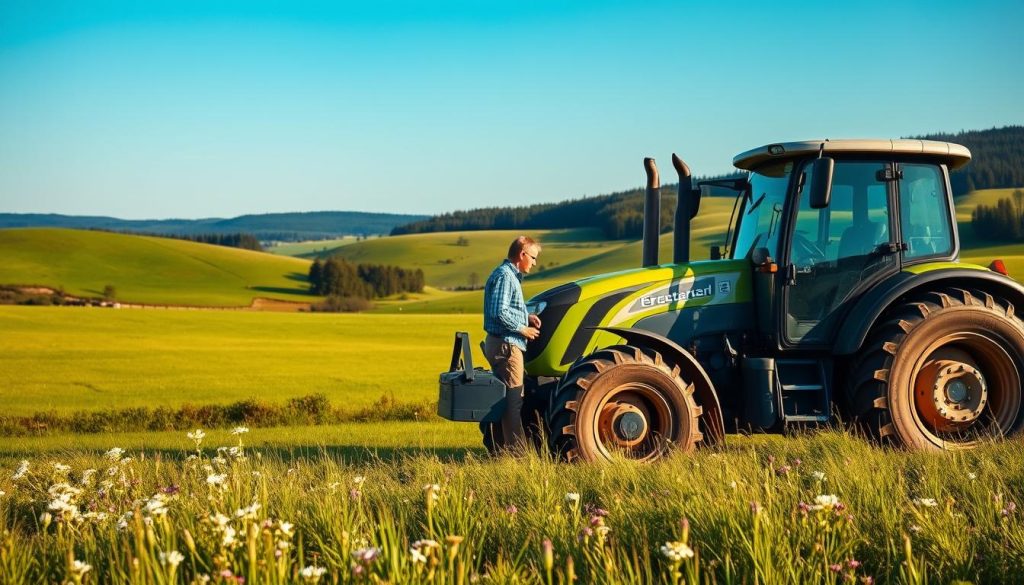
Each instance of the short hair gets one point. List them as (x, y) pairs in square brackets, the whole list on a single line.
[(519, 244)]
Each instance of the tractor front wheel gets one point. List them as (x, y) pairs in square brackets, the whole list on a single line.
[(626, 401), (942, 372)]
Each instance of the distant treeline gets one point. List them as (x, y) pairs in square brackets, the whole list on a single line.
[(997, 159), (239, 240), (1004, 221), (339, 277), (619, 215)]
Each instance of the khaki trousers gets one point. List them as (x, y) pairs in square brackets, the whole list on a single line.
[(507, 364)]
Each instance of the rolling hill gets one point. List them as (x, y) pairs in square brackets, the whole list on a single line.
[(147, 269)]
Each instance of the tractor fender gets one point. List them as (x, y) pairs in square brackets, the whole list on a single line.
[(704, 390), (870, 307)]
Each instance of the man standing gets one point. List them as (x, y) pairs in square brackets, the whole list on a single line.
[(508, 328)]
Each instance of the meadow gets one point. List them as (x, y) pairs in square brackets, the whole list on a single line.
[(823, 508)]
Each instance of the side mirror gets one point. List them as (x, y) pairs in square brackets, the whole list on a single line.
[(716, 252), (821, 182)]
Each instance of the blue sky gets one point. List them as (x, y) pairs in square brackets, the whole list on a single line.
[(200, 109)]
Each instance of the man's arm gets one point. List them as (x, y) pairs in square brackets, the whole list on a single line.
[(507, 315)]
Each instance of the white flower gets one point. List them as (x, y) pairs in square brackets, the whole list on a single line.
[(572, 498), (366, 555), (78, 568), (926, 502), (216, 479), (22, 470), (733, 484), (359, 479), (61, 468), (172, 558), (229, 536), (818, 475), (157, 505), (220, 520), (239, 430), (676, 551), (247, 512), (283, 544), (285, 528), (972, 476), (2, 493), (426, 543), (825, 501), (87, 476), (417, 555), (432, 489), (312, 574), (197, 435), (114, 454), (237, 452)]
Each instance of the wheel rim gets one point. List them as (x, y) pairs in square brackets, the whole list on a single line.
[(635, 420), (966, 386)]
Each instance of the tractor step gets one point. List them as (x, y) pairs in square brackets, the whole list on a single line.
[(803, 390)]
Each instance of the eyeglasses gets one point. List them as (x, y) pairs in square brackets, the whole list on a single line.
[(530, 255)]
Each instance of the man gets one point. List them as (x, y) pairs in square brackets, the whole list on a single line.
[(509, 327)]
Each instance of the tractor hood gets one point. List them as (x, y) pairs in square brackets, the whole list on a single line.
[(664, 299)]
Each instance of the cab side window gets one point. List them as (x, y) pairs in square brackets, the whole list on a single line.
[(924, 212)]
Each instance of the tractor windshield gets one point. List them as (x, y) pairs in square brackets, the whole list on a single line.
[(760, 214)]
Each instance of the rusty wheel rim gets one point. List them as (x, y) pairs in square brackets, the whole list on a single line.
[(965, 387), (635, 420)]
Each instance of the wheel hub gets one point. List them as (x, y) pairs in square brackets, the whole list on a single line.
[(624, 424), (950, 394)]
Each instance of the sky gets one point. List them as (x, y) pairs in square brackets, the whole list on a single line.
[(190, 109)]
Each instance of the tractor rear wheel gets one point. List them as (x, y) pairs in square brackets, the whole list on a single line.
[(943, 371), (622, 400)]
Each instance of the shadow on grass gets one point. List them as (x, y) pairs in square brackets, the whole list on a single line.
[(345, 453), (282, 290)]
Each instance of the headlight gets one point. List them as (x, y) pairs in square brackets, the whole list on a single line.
[(536, 307)]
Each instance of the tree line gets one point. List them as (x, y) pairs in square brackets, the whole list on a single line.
[(341, 278), (997, 158), (619, 215), (1003, 221)]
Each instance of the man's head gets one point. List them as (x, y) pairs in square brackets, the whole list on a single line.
[(523, 253)]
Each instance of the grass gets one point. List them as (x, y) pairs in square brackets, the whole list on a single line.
[(148, 269), (825, 508), (67, 359), (312, 248)]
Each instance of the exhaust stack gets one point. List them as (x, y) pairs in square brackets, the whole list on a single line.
[(687, 202), (652, 214)]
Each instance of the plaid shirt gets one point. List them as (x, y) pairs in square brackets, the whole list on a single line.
[(504, 307)]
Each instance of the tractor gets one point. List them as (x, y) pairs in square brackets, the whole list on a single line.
[(837, 295)]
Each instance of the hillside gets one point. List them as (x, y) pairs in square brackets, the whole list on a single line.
[(147, 269), (269, 226)]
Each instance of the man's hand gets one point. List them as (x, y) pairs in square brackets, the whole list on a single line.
[(534, 321), (530, 333)]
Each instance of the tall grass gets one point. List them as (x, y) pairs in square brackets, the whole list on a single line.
[(822, 509)]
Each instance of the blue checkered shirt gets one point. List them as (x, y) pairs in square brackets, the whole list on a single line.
[(504, 307)]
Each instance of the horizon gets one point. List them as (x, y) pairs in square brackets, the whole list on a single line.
[(192, 110)]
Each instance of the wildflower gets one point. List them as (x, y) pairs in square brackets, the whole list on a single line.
[(22, 470), (366, 556), (602, 531), (172, 558), (915, 528), (358, 480), (1010, 508), (237, 452), (733, 484), (432, 489), (229, 536), (220, 520), (825, 502), (239, 430), (867, 580), (421, 550), (972, 476), (676, 551), (285, 528), (426, 543), (354, 494), (248, 512), (417, 556), (549, 554), (797, 462), (79, 568), (220, 460), (216, 479), (818, 476), (157, 505), (312, 574), (835, 568), (114, 454), (926, 502), (511, 510), (45, 518), (197, 435), (61, 468), (572, 498), (2, 493), (783, 471), (853, 564), (755, 508), (87, 476), (283, 545)]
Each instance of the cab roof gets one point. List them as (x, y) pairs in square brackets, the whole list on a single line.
[(952, 155)]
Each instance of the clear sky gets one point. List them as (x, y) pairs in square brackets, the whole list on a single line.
[(201, 108)]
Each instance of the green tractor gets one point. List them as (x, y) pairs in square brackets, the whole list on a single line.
[(838, 293)]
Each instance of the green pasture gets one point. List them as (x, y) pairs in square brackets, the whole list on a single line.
[(148, 269), (68, 358), (311, 248)]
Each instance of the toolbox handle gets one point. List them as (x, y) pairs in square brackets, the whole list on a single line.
[(466, 363)]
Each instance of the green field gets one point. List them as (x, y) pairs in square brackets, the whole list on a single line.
[(147, 269), (311, 248), (68, 359)]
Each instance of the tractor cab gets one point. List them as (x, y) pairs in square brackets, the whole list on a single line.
[(822, 222)]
